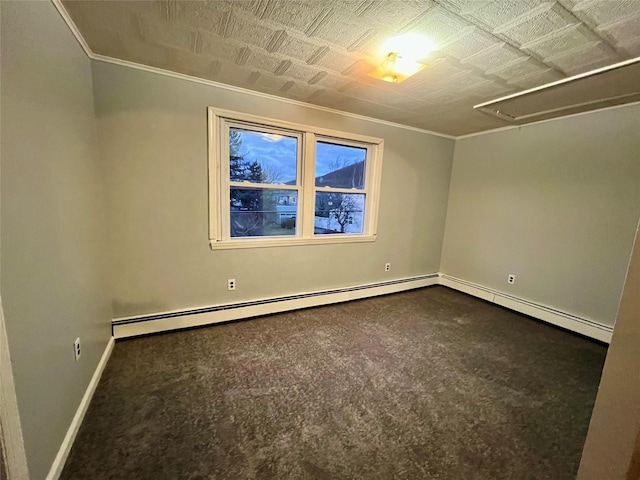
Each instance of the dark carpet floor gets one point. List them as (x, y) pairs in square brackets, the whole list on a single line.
[(426, 384)]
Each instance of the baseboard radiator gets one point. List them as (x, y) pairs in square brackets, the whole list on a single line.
[(162, 322), (145, 324), (583, 326)]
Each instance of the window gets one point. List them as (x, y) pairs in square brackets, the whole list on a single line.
[(275, 183)]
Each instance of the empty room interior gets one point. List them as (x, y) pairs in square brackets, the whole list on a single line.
[(326, 239)]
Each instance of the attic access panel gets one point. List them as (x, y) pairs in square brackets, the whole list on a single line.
[(605, 87)]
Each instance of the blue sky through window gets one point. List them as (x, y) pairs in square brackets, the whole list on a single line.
[(279, 152)]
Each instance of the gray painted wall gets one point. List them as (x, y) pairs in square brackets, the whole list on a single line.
[(554, 203), (153, 134), (612, 448), (54, 278)]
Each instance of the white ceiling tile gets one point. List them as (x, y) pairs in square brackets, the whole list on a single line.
[(442, 96), (253, 77), (105, 41), (144, 52), (609, 11), (304, 16), (255, 33), (624, 31), (544, 20), (468, 81), (301, 71), (227, 50), (591, 56), (494, 57), (537, 79), (317, 78), (632, 47), (227, 72), (498, 12), (462, 6), (522, 67), (299, 49), (109, 13), (267, 84), (393, 97), (442, 26), (374, 93), (358, 69), (390, 15), (346, 33), (336, 61), (436, 76), (189, 63), (165, 35), (217, 17), (333, 81), (471, 44), (302, 91), (357, 104), (569, 38), (488, 91), (265, 63)]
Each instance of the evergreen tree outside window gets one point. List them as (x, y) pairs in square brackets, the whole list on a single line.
[(255, 162)]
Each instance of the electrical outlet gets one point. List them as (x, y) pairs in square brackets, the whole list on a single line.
[(511, 279), (231, 284), (387, 267), (76, 349)]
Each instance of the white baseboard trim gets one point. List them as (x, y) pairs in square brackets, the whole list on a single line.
[(65, 448), (565, 320), (161, 322)]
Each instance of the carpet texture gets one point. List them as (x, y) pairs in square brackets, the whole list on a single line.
[(426, 384)]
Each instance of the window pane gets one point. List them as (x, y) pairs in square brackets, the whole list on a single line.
[(262, 157), (339, 213), (339, 166), (259, 213)]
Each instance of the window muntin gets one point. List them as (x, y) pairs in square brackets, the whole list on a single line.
[(276, 183), (262, 166)]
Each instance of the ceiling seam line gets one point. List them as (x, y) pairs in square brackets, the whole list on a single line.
[(505, 40)]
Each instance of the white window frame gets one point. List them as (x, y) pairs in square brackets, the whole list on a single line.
[(219, 182)]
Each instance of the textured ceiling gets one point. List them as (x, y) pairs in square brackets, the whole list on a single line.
[(321, 51)]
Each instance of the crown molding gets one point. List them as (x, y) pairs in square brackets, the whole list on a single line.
[(72, 26), (231, 88)]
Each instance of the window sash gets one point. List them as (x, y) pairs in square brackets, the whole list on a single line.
[(227, 184)]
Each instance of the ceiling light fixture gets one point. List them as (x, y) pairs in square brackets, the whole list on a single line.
[(403, 56), (395, 68)]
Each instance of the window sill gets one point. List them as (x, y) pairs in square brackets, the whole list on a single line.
[(289, 242)]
